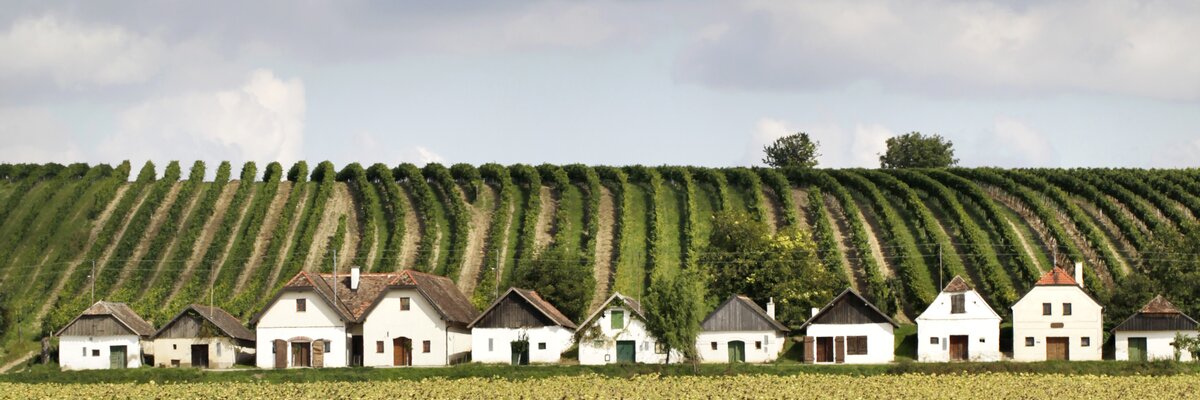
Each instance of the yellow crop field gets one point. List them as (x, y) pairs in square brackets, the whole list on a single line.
[(910, 386)]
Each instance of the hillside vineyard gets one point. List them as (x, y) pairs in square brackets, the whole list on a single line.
[(71, 234)]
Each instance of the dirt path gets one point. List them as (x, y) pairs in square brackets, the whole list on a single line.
[(156, 220), (877, 252), (187, 213), (1025, 245), (412, 231), (348, 254), (800, 198), (773, 209), (369, 260), (605, 267), (264, 235), (545, 223), (289, 239), (837, 220), (512, 209), (477, 236), (206, 236), (20, 360), (337, 206), (52, 297)]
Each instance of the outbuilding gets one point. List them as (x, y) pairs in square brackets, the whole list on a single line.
[(520, 327), (739, 330), (616, 333), (1149, 334), (1058, 320), (958, 326), (849, 330), (203, 337), (104, 336)]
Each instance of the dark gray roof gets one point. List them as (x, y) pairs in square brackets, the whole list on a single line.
[(121, 312), (740, 313), (534, 299), (850, 298), (1158, 315), (223, 320)]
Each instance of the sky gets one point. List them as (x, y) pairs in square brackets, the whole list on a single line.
[(1010, 83)]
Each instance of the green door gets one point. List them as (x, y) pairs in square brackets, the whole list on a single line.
[(116, 357), (1137, 349), (737, 351), (626, 351)]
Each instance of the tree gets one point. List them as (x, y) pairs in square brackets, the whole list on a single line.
[(914, 150), (795, 150), (560, 276), (744, 258), (674, 306), (1177, 276)]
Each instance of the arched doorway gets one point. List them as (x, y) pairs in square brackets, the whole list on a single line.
[(401, 351), (737, 351)]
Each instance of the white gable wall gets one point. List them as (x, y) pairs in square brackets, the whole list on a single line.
[(72, 356), (603, 349), (1158, 344), (493, 345), (420, 323), (771, 345), (880, 340), (318, 322), (979, 323), (1086, 320)]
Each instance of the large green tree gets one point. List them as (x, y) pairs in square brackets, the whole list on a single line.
[(744, 258), (915, 150), (674, 306), (1173, 272), (560, 276), (795, 150)]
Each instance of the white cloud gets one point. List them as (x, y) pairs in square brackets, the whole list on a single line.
[(1012, 143), (262, 120), (34, 135), (1178, 154), (951, 47), (838, 147), (74, 55), (368, 148)]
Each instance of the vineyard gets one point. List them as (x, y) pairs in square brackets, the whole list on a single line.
[(77, 233)]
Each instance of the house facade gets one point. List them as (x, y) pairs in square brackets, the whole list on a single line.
[(958, 325), (520, 327), (1148, 334), (849, 330), (739, 330), (403, 318), (203, 337), (616, 333), (104, 336), (1058, 320)]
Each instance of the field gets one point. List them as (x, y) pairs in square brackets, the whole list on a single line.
[(162, 240)]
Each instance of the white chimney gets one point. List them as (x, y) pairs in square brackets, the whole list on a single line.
[(815, 311), (1079, 273), (354, 273), (771, 307)]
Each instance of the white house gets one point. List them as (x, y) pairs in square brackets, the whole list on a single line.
[(958, 326), (616, 333), (381, 319), (203, 337), (1057, 320), (740, 331), (849, 330), (520, 327), (105, 336), (1149, 333)]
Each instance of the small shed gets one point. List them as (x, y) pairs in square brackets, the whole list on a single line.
[(849, 330), (616, 333), (520, 327), (203, 337), (958, 326), (104, 336), (1149, 333), (740, 331)]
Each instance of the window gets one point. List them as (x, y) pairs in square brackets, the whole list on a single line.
[(982, 340), (174, 347), (1028, 341), (378, 346), (958, 303), (1066, 308), (541, 345), (404, 304), (490, 346), (856, 345), (85, 351), (714, 345), (660, 348), (933, 340), (327, 345), (758, 345), (618, 319), (300, 305), (95, 352), (1085, 341), (425, 346), (1045, 308)]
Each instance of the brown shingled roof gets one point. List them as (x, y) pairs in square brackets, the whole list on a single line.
[(1160, 305), (223, 320), (534, 299), (958, 284), (354, 305), (1057, 276), (121, 312), (1158, 315)]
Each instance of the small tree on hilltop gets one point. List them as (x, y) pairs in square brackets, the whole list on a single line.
[(914, 150), (674, 307), (795, 150)]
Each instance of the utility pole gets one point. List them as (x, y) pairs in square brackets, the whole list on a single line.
[(335, 282), (939, 246), (93, 283)]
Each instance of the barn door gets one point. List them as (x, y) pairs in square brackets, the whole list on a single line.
[(626, 351), (737, 351), (959, 348), (1057, 348), (1137, 349), (824, 351), (200, 356), (280, 353), (116, 357)]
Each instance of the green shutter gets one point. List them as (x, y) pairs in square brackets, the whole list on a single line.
[(618, 319)]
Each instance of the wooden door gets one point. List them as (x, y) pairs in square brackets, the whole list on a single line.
[(401, 351), (280, 353), (839, 349), (1137, 349), (1057, 348), (200, 355), (301, 355), (737, 351), (959, 348), (824, 349), (116, 357), (626, 351)]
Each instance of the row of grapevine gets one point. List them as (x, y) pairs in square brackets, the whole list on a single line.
[(1160, 181), (586, 178), (751, 187), (926, 226), (720, 185), (1143, 212), (493, 259), (33, 204), (237, 258), (1069, 183), (529, 178), (372, 213), (46, 213), (652, 184), (783, 191), (616, 180), (265, 276), (1135, 187), (824, 237), (334, 242), (394, 212), (121, 258), (426, 204), (459, 219), (681, 178), (469, 179)]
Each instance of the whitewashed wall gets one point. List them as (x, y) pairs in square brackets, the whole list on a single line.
[(1086, 320), (978, 322), (318, 322), (880, 340), (335, 356), (419, 323), (71, 351), (221, 351), (1158, 345), (603, 350), (772, 345), (493, 345)]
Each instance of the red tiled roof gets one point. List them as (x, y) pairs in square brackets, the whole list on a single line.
[(958, 284), (1057, 276), (355, 304)]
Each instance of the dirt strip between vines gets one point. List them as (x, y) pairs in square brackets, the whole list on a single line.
[(1114, 234), (264, 234), (477, 236), (156, 220), (289, 239), (774, 210), (545, 222), (800, 199), (206, 236), (412, 231), (837, 220), (220, 261), (604, 268), (97, 225), (197, 196)]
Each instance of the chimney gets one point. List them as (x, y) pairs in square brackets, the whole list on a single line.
[(354, 273), (1079, 273), (771, 307), (815, 311)]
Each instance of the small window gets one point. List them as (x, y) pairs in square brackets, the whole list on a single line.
[(1066, 308), (95, 352), (1045, 308), (757, 345), (1028, 341), (982, 340), (174, 347), (425, 346), (404, 304), (933, 340), (856, 345), (714, 345), (1085, 341), (597, 343), (379, 346), (541, 345), (958, 303), (85, 352), (490, 344), (174, 363), (618, 319), (660, 348), (301, 305)]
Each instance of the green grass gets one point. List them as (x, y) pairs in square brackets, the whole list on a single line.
[(631, 268), (906, 342), (570, 202), (706, 199), (519, 197), (670, 213)]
